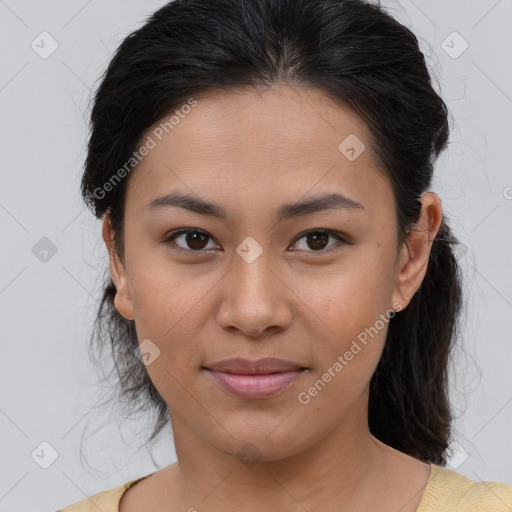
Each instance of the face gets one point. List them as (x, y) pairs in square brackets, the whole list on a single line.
[(315, 286)]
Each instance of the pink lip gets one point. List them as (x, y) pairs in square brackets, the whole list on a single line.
[(246, 367), (256, 386)]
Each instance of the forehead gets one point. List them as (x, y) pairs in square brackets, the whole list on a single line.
[(255, 146)]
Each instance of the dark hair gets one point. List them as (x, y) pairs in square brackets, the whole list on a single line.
[(353, 51)]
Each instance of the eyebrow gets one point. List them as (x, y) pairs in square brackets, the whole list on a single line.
[(333, 201)]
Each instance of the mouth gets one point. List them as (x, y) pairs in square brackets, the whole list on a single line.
[(255, 380)]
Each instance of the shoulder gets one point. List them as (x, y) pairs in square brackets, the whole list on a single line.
[(106, 501), (450, 491)]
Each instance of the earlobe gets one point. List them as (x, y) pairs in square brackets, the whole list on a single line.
[(415, 252), (122, 299)]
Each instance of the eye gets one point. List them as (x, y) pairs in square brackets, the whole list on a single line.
[(317, 239), (195, 239)]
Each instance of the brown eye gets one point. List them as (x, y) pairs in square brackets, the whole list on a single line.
[(192, 239), (317, 240)]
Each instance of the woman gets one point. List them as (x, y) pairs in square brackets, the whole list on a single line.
[(283, 284)]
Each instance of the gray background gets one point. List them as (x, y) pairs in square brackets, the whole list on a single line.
[(48, 384)]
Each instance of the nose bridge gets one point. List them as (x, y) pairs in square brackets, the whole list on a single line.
[(252, 265)]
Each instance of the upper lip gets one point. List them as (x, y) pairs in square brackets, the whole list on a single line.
[(261, 366)]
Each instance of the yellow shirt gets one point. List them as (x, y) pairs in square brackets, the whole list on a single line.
[(446, 491)]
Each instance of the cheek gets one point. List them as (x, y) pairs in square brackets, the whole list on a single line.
[(167, 308), (347, 359), (354, 293), (167, 296), (354, 307)]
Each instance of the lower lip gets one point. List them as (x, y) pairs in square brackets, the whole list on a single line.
[(256, 386)]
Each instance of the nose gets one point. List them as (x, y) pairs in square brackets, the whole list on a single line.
[(255, 298)]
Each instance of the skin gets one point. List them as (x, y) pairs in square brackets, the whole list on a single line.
[(251, 151)]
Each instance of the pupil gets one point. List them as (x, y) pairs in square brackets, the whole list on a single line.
[(315, 236), (192, 239)]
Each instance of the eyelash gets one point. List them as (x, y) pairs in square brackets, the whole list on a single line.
[(173, 235)]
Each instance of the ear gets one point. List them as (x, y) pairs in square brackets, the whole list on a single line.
[(122, 299), (415, 252)]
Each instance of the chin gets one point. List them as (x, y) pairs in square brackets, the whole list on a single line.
[(266, 442)]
